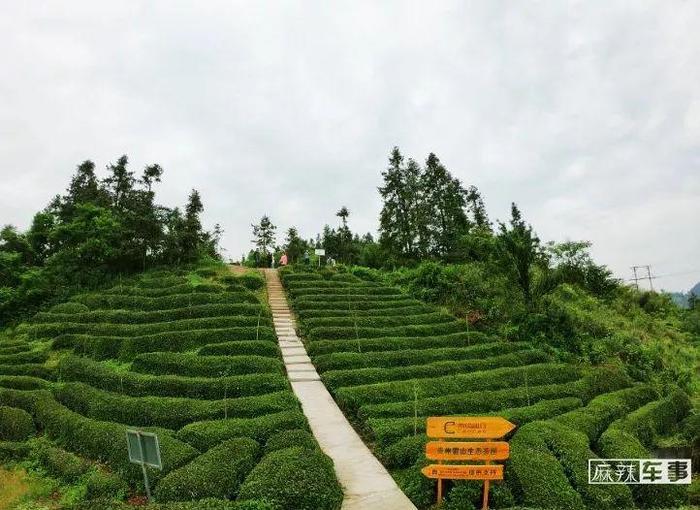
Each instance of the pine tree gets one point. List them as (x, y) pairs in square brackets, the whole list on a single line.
[(264, 236)]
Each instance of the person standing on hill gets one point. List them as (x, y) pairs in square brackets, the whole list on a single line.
[(283, 259)]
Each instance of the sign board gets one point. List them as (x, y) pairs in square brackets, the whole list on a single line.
[(320, 251), (473, 427), (460, 450), (464, 472), (143, 448)]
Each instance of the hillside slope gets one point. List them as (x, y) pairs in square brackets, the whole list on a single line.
[(192, 357), (390, 361)]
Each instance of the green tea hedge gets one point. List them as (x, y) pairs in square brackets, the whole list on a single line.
[(145, 317), (291, 439), (115, 302), (403, 358), (216, 473), (73, 368), (362, 345), (294, 478), (15, 424), (207, 434), (193, 365), (332, 333), (341, 378), (167, 412)]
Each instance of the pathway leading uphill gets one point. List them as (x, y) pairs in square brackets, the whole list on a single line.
[(366, 484)]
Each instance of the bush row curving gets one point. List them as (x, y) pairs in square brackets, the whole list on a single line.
[(204, 366), (73, 368), (217, 473), (166, 412)]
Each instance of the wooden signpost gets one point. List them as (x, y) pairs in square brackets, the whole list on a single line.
[(485, 428)]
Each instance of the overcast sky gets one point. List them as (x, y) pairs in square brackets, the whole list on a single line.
[(587, 114)]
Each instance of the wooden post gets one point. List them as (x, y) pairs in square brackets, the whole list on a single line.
[(487, 485), (439, 489)]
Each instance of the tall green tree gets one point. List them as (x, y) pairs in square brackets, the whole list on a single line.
[(295, 246), (445, 203), (520, 250), (264, 239)]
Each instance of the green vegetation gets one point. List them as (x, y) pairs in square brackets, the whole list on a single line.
[(391, 360), (170, 352)]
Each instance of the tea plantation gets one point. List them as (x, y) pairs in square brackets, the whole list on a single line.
[(390, 361), (191, 357)]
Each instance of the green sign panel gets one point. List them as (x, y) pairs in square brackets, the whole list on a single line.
[(143, 448)]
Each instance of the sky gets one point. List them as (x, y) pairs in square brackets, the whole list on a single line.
[(586, 114)]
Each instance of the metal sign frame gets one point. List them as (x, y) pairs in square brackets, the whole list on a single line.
[(141, 449)]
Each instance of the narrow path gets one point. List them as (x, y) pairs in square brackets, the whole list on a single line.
[(366, 484)]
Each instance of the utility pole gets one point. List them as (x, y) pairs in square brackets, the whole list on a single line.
[(636, 279), (648, 276)]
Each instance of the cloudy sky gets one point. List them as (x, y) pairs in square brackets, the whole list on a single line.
[(587, 114)]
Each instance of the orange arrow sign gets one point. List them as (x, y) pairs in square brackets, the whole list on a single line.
[(476, 427), (466, 472), (460, 450)]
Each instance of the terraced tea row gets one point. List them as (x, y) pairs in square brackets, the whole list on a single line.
[(197, 364), (390, 361)]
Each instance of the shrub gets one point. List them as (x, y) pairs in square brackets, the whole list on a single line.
[(15, 424), (535, 475), (206, 272), (217, 473), (69, 308), (13, 451), (242, 347), (159, 282), (168, 412), (103, 484), (59, 463), (342, 378), (403, 391), (399, 311), (252, 281), (207, 366), (377, 322), (104, 441), (474, 401), (332, 333), (184, 288), (73, 368), (403, 358), (45, 330), (145, 317), (106, 301), (206, 434), (105, 347), (593, 419), (294, 478), (348, 292), (389, 430), (22, 382), (27, 369), (463, 339), (294, 438), (327, 302), (24, 357)]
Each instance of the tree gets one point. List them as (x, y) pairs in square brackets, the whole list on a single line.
[(264, 238), (445, 203), (151, 174), (120, 182), (520, 250), (294, 246), (192, 227), (401, 195)]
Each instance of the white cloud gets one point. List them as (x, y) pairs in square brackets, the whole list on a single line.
[(585, 113)]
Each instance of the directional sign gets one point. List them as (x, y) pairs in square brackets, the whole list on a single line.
[(464, 472), (473, 427), (460, 450), (320, 252)]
